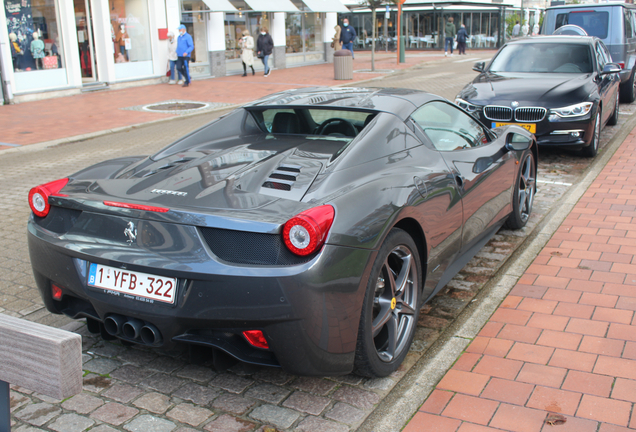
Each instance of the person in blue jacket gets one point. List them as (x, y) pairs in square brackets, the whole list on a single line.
[(184, 49), (347, 36)]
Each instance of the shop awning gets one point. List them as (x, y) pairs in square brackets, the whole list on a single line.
[(326, 6), (220, 6), (271, 6)]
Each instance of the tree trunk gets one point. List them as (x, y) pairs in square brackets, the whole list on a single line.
[(373, 40)]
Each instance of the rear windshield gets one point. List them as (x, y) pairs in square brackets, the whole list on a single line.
[(594, 23), (337, 123), (543, 58)]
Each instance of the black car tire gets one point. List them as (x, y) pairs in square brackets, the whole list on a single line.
[(592, 149), (628, 88), (613, 120), (391, 307), (525, 190)]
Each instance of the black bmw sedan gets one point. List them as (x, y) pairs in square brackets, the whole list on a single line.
[(563, 89)]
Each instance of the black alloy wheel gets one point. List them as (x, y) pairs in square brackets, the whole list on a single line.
[(592, 149), (613, 120), (391, 307), (525, 189)]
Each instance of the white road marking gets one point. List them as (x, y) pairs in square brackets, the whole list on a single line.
[(554, 183)]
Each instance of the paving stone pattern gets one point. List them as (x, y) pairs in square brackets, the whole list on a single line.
[(139, 389)]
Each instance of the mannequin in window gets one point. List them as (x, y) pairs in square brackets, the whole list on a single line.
[(37, 50), (16, 51), (121, 41)]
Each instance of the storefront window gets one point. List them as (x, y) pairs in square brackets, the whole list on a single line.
[(304, 37), (235, 23), (195, 17), (130, 30), (35, 43)]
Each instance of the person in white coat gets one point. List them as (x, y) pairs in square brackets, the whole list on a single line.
[(247, 54), (172, 59)]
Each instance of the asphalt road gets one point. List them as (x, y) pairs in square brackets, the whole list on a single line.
[(134, 388)]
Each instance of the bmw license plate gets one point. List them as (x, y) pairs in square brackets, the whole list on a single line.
[(530, 127), (135, 285)]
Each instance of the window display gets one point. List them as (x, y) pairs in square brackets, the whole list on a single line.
[(130, 30), (304, 36), (235, 24), (33, 34)]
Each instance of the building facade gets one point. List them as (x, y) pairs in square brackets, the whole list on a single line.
[(53, 48)]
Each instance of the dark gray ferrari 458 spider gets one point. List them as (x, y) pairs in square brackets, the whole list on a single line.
[(304, 230)]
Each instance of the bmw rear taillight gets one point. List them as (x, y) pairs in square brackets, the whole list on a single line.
[(622, 65), (306, 232), (39, 196)]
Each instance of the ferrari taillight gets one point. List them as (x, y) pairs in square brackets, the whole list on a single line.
[(256, 338), (39, 196), (306, 232)]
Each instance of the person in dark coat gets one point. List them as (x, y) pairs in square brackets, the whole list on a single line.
[(264, 48), (462, 35), (347, 36)]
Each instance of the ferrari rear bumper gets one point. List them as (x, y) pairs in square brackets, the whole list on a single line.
[(309, 313)]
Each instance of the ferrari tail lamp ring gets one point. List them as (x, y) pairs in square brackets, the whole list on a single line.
[(39, 196), (306, 232)]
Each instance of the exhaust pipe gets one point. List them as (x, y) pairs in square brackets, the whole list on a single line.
[(113, 324), (150, 334), (132, 328)]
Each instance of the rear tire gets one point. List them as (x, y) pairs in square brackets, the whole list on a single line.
[(525, 189), (628, 89), (391, 307), (613, 120), (591, 150)]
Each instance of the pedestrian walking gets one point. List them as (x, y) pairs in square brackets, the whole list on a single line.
[(462, 35), (515, 30), (264, 48), (184, 49), (172, 60), (450, 32), (247, 55), (347, 36)]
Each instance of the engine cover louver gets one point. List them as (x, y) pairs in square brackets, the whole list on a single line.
[(283, 178)]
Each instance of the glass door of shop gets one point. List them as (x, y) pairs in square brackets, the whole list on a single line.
[(85, 41)]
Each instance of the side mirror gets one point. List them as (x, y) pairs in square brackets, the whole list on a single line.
[(479, 66), (517, 142), (611, 68)]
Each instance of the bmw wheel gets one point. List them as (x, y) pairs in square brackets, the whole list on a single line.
[(391, 307), (613, 120), (592, 149), (628, 89), (523, 198)]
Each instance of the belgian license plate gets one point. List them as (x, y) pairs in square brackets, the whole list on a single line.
[(530, 127), (132, 284)]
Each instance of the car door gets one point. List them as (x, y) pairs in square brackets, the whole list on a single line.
[(604, 82), (482, 169)]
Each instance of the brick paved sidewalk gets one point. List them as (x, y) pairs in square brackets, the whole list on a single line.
[(64, 117), (564, 340)]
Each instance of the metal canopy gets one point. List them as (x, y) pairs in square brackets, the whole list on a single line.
[(434, 4), (326, 6), (219, 6), (271, 6)]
